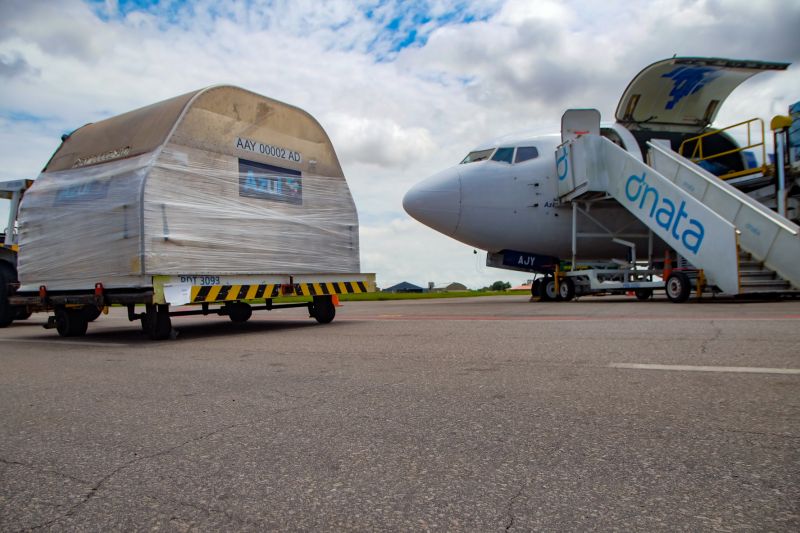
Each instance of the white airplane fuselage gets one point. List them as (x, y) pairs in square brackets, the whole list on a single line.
[(501, 206)]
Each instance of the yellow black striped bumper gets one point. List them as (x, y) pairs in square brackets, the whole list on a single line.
[(336, 287), (230, 293)]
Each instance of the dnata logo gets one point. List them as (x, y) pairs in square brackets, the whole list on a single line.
[(690, 232)]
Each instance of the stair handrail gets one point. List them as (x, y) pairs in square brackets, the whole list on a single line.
[(726, 188), (697, 152)]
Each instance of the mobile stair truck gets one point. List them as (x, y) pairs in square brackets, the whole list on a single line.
[(728, 241), (214, 202)]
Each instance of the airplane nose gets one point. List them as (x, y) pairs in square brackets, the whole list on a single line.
[(436, 201)]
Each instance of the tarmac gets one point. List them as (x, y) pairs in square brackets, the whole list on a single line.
[(479, 414)]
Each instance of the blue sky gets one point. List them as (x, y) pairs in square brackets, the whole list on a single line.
[(404, 89), (397, 24)]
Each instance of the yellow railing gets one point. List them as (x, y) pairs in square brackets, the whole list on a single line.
[(698, 154)]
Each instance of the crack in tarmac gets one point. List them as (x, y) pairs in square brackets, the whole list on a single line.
[(43, 471), (99, 484), (510, 508), (717, 335)]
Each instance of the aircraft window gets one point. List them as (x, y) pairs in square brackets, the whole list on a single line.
[(503, 154), (478, 155), (524, 153)]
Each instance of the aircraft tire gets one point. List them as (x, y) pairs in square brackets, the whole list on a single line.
[(566, 289), (535, 287), (547, 290), (678, 287)]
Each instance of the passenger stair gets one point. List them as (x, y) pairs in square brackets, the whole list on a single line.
[(755, 278), (704, 219)]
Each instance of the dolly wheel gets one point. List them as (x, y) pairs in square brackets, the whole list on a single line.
[(239, 311), (92, 312), (322, 309), (156, 322), (678, 287), (71, 322)]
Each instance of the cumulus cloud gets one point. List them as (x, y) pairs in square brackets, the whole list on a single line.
[(13, 65), (380, 141), (403, 88)]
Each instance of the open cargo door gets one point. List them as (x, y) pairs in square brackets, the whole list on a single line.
[(685, 92)]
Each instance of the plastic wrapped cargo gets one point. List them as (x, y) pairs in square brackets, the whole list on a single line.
[(216, 197), (219, 181)]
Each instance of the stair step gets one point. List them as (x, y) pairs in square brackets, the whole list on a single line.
[(776, 284), (762, 274), (766, 290)]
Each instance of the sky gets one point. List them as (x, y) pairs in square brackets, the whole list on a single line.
[(403, 88)]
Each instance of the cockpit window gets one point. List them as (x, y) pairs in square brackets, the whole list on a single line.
[(524, 153), (477, 155), (503, 154)]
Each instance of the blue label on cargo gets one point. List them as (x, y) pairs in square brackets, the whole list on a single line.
[(259, 180), (82, 192), (528, 261)]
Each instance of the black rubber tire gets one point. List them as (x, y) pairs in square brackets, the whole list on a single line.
[(566, 289), (71, 322), (547, 290), (239, 312), (535, 287), (92, 312), (678, 287), (643, 294), (156, 322), (8, 312), (322, 309)]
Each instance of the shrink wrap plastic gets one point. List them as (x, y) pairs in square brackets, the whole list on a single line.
[(182, 210)]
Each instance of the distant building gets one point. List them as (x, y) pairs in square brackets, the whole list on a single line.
[(524, 287), (455, 286), (404, 287)]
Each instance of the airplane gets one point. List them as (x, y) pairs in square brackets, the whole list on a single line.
[(503, 196)]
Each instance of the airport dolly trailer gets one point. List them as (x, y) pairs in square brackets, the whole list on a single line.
[(216, 201)]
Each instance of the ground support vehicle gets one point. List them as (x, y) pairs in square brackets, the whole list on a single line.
[(566, 285), (9, 247)]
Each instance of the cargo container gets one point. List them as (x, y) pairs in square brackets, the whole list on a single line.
[(215, 201)]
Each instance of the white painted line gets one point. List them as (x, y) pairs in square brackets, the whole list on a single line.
[(690, 368), (66, 343)]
